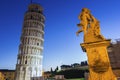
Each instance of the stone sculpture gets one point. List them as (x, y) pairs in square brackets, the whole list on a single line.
[(95, 46)]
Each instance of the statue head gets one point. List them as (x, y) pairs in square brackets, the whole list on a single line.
[(86, 10)]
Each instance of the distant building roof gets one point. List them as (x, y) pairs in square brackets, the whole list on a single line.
[(6, 70)]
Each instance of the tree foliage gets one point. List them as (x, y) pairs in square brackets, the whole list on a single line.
[(73, 73)]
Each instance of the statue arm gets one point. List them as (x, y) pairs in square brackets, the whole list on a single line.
[(77, 33)]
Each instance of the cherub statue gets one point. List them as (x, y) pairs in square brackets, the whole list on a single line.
[(84, 18), (90, 26)]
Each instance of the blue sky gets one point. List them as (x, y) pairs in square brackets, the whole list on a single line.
[(61, 45)]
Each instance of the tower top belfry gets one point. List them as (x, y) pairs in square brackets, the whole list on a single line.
[(35, 8)]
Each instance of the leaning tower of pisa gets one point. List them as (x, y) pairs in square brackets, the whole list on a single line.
[(29, 60)]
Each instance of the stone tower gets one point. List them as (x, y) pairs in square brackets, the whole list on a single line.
[(29, 60)]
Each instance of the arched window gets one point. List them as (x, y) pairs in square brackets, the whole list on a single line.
[(26, 62)]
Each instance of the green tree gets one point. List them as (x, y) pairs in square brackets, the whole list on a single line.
[(56, 69), (51, 70)]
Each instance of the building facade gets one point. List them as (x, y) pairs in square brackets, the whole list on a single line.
[(59, 77), (46, 75), (82, 65), (30, 54), (114, 55), (7, 74)]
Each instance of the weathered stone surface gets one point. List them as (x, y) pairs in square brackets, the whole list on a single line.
[(99, 64)]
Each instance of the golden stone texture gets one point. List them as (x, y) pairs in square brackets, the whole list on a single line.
[(95, 45)]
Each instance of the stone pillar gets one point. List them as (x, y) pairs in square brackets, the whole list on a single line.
[(99, 64)]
